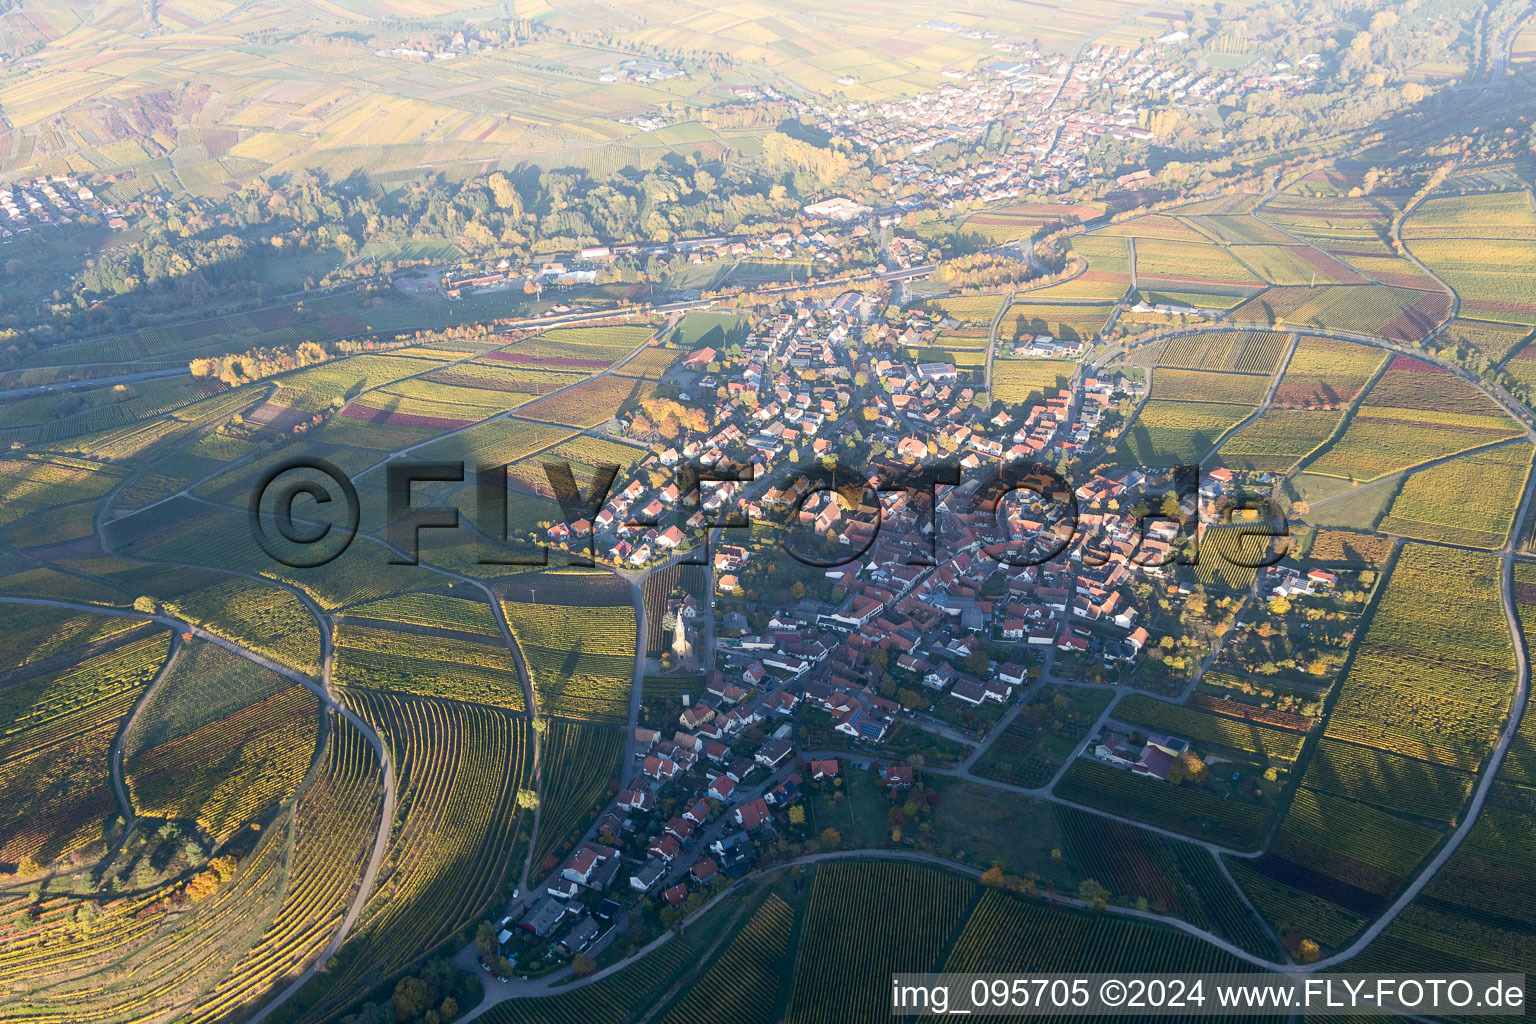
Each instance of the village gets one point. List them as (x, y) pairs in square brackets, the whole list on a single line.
[(1059, 106), (50, 201), (900, 627)]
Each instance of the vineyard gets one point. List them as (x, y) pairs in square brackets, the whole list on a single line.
[(1356, 844), (584, 455), (32, 485), (1279, 439), (1177, 433), (1434, 671), (582, 673), (54, 787), (1200, 386), (432, 611), (615, 998), (1326, 374), (1230, 823), (1470, 502), (1172, 262), (1236, 351), (1007, 933), (1025, 220), (458, 769), (98, 689), (1493, 340), (140, 956), (332, 832), (580, 763), (1293, 912), (261, 617), (1493, 272), (38, 632), (1294, 265), (1073, 322), (232, 770), (1390, 781), (413, 659), (1413, 414), (1402, 314), (900, 917), (1245, 738), (976, 310), (590, 403), (1018, 381), (747, 975), (1132, 863), (491, 376), (496, 443), (1040, 739)]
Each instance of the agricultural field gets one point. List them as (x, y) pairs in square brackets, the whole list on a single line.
[(1256, 352), (1201, 815), (1414, 413), (435, 662), (501, 382), (900, 916), (1069, 321), (1169, 433), (1020, 381), (1434, 671), (581, 673), (458, 768), (222, 742), (590, 403), (1495, 277), (462, 613), (1470, 501)]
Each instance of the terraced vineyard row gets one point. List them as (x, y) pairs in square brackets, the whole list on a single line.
[(458, 769), (332, 832)]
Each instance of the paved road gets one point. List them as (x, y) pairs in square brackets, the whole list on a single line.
[(93, 384), (125, 805)]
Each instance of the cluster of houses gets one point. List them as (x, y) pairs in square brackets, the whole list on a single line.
[(1058, 106), (51, 199), (726, 788), (1152, 761), (1284, 581)]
